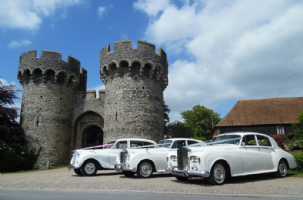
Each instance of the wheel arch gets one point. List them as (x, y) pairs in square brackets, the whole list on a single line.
[(286, 161), (152, 162), (99, 167), (227, 165)]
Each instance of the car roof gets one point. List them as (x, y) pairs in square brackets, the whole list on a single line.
[(182, 139), (241, 133), (137, 139)]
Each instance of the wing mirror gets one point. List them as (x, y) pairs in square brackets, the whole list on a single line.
[(243, 144)]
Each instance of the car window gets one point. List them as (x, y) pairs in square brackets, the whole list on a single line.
[(178, 144), (121, 145), (149, 143), (227, 139), (136, 143), (263, 141), (165, 143), (249, 140), (189, 142)]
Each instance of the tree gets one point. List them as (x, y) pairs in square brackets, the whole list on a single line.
[(10, 130), (298, 133), (296, 136), (166, 112), (201, 120), (177, 129)]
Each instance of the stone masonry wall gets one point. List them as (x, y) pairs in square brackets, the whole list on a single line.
[(49, 86), (135, 80)]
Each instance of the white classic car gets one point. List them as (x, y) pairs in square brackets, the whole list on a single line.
[(232, 154), (144, 162), (88, 160)]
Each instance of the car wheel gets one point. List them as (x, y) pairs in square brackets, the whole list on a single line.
[(78, 172), (89, 168), (128, 174), (217, 174), (282, 169), (145, 169), (181, 178)]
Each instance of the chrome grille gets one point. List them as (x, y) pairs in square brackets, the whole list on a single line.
[(182, 157), (122, 156)]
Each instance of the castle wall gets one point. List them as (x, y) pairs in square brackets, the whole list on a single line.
[(134, 80), (46, 115), (57, 108), (49, 86), (89, 110)]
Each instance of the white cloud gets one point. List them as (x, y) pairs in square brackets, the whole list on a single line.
[(28, 14), (151, 7), (97, 88), (237, 50), (15, 44), (101, 11)]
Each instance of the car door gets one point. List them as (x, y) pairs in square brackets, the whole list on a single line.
[(267, 152), (115, 151), (251, 154)]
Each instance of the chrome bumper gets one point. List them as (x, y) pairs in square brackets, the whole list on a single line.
[(72, 167), (122, 167), (187, 173)]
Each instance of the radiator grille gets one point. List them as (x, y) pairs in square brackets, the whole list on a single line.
[(182, 158), (122, 156)]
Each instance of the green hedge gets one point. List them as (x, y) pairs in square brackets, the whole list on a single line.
[(14, 157), (299, 159)]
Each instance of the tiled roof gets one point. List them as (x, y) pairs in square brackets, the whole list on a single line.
[(264, 111)]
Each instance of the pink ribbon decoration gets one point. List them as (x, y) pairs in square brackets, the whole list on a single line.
[(104, 145)]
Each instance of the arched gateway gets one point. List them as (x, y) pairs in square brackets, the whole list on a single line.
[(88, 130)]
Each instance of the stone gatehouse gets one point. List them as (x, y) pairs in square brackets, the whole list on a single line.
[(59, 114)]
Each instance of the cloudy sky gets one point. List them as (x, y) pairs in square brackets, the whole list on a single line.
[(219, 52)]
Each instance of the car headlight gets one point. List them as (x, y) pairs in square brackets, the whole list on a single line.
[(194, 159), (173, 158)]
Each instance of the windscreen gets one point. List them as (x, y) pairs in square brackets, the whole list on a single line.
[(110, 146), (227, 139), (164, 143)]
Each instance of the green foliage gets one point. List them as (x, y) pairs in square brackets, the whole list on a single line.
[(298, 133), (14, 157), (177, 129), (199, 121), (299, 159)]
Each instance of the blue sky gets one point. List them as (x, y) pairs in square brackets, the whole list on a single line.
[(219, 52)]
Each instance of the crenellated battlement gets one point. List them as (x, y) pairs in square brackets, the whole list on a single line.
[(49, 68), (127, 61)]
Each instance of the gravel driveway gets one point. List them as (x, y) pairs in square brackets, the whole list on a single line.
[(264, 185)]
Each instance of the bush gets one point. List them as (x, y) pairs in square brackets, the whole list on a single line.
[(280, 139), (14, 157), (299, 159)]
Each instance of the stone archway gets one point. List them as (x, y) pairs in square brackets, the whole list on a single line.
[(92, 136), (83, 125)]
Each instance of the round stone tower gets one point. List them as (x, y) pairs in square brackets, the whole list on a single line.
[(135, 80), (49, 86)]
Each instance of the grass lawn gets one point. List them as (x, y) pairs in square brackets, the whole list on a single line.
[(293, 173), (34, 170)]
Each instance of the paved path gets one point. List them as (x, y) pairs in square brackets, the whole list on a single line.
[(62, 179), (35, 194)]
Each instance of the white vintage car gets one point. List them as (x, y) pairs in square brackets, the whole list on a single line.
[(144, 162), (88, 160), (232, 154)]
